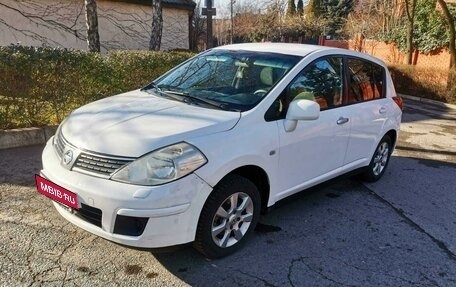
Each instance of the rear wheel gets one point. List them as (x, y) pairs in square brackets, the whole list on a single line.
[(229, 215), (379, 160)]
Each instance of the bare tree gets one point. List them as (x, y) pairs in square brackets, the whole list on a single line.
[(198, 27), (93, 38), (368, 20), (157, 26)]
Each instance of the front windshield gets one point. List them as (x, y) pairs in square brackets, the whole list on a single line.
[(235, 80)]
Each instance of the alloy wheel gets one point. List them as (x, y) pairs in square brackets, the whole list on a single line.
[(232, 219), (380, 158)]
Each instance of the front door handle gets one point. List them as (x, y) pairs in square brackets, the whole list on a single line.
[(342, 121)]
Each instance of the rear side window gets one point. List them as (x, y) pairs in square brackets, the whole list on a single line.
[(365, 81)]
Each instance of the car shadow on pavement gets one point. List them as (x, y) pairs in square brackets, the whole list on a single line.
[(339, 233), (268, 243)]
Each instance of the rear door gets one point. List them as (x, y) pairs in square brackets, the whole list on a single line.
[(368, 108)]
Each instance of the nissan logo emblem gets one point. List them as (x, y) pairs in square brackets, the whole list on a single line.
[(67, 157)]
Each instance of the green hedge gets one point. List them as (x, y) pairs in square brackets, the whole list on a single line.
[(432, 83), (40, 86)]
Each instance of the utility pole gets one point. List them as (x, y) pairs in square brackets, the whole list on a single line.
[(209, 11)]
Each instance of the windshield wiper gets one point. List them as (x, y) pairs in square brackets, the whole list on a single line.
[(167, 93), (185, 97), (188, 98), (222, 106)]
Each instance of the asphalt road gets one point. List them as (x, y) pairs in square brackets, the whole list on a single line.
[(400, 231)]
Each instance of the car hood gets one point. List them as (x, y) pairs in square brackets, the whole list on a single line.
[(137, 122)]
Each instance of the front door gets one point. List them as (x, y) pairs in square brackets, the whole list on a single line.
[(316, 148)]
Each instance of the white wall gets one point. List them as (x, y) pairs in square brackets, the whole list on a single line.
[(62, 23)]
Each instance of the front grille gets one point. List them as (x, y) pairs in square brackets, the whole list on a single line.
[(100, 165), (88, 162), (90, 214)]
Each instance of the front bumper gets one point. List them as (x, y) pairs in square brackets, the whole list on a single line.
[(171, 210)]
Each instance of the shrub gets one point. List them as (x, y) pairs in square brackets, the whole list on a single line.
[(40, 86), (429, 83)]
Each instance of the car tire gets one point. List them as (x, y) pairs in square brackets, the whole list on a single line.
[(379, 160), (223, 229)]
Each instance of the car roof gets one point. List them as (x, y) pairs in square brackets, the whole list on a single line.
[(280, 48), (295, 49)]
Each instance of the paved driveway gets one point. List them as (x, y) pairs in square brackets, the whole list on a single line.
[(400, 231)]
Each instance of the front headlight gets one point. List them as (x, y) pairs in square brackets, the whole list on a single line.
[(162, 166)]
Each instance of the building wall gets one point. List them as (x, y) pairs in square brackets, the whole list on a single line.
[(175, 29), (62, 23)]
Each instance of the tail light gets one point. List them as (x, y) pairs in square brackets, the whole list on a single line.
[(399, 102)]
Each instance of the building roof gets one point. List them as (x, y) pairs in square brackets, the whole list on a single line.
[(179, 4)]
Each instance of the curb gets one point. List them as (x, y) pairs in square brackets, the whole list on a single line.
[(25, 137), (428, 101)]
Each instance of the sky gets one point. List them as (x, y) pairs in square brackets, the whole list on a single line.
[(222, 6)]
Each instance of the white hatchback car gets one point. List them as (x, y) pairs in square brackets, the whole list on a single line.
[(197, 155)]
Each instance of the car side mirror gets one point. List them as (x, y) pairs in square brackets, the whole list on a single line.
[(300, 110)]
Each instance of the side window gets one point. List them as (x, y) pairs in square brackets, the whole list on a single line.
[(320, 81), (365, 81)]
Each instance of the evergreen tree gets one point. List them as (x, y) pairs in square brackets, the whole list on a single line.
[(313, 9), (291, 10), (335, 12), (452, 41), (430, 32), (300, 8)]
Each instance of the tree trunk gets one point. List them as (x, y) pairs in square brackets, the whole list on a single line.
[(409, 43), (93, 38), (410, 6), (157, 26), (452, 74)]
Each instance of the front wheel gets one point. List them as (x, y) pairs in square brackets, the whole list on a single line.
[(379, 160), (229, 215)]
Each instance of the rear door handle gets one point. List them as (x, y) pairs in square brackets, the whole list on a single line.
[(382, 110), (342, 120)]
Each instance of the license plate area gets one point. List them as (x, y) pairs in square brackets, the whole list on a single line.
[(57, 193)]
